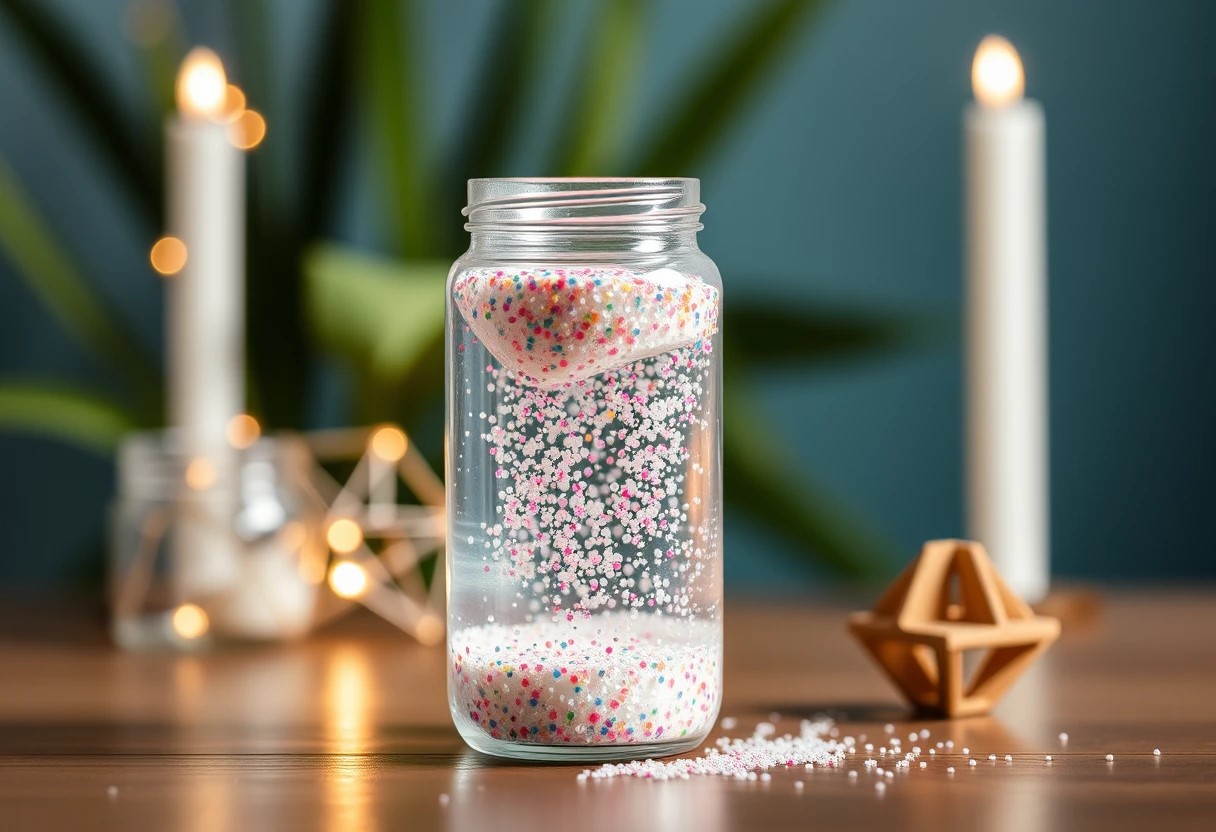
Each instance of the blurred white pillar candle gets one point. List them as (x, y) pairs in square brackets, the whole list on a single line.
[(205, 179), (1007, 485)]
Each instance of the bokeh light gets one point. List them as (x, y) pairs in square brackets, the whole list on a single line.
[(242, 431), (168, 255), (348, 580), (248, 130), (190, 621), (344, 536), (200, 474), (389, 443)]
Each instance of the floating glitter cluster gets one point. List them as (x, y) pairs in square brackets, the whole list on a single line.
[(596, 510), (608, 681), (740, 758), (562, 325)]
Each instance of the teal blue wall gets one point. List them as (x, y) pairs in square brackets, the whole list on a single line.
[(843, 183)]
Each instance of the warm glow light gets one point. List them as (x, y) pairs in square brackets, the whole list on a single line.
[(190, 621), (168, 255), (234, 104), (389, 443), (348, 580), (243, 430), (429, 630), (202, 86), (293, 535), (248, 130), (996, 73), (200, 474), (344, 536)]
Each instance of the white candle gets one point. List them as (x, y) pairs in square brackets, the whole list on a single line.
[(1007, 473), (205, 178), (206, 210)]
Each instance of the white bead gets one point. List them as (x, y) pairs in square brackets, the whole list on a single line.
[(971, 762), (1156, 752), (924, 765), (1048, 758), (949, 769), (1063, 737), (1009, 758), (1110, 758)]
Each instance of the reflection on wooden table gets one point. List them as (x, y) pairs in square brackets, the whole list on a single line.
[(349, 730)]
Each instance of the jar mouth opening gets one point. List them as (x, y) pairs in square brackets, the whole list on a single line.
[(584, 204)]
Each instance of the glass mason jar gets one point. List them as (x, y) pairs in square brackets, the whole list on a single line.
[(584, 470), (236, 555)]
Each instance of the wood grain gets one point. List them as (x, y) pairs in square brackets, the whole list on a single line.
[(350, 731)]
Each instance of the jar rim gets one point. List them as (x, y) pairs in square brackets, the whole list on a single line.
[(584, 204)]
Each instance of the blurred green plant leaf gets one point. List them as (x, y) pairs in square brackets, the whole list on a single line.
[(391, 74), (591, 125), (761, 483), (328, 116), (710, 104), (380, 314), (83, 86), (156, 28), (771, 334), (75, 416), (50, 274)]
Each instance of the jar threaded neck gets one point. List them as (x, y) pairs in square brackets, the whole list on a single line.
[(584, 205)]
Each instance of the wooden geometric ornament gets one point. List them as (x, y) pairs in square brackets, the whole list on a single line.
[(948, 601)]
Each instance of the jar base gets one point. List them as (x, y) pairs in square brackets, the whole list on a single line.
[(536, 752)]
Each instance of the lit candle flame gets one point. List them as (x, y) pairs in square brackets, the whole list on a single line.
[(202, 86), (996, 73)]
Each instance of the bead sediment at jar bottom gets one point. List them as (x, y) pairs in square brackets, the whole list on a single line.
[(612, 679)]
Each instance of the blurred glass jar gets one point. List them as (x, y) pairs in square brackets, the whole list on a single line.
[(217, 549), (583, 470)]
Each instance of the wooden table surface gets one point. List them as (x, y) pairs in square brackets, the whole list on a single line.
[(349, 730)]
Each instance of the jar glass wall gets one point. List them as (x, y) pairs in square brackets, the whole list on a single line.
[(583, 462)]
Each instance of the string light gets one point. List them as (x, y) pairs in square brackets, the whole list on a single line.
[(234, 104), (348, 580), (200, 474), (344, 536), (242, 431), (247, 130), (190, 621), (389, 443), (168, 255)]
